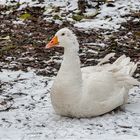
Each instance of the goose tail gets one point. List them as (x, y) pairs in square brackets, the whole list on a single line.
[(125, 65), (126, 69), (122, 68)]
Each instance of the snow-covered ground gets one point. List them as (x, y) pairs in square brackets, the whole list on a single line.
[(107, 17), (111, 17), (31, 116)]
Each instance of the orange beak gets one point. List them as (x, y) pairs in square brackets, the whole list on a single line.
[(53, 42)]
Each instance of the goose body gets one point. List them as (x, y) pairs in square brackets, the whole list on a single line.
[(90, 91)]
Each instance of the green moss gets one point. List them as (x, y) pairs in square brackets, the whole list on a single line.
[(55, 17), (25, 16), (77, 17)]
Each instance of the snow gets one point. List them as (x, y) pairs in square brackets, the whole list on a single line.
[(111, 17), (32, 116), (107, 17), (135, 108), (18, 22), (36, 2)]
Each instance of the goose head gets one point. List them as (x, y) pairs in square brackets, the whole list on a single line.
[(64, 38)]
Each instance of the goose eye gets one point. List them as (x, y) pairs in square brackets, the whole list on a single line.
[(63, 34)]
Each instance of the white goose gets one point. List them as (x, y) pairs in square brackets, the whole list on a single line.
[(90, 91)]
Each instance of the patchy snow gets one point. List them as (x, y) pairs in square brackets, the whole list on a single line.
[(107, 17), (18, 22), (111, 17), (31, 115), (36, 3)]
